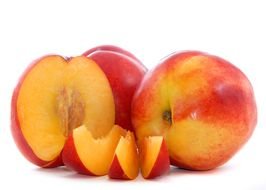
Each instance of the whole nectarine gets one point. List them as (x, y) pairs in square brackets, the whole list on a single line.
[(203, 105)]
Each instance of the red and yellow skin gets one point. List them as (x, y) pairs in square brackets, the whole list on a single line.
[(125, 163), (50, 100), (71, 158), (202, 105), (116, 171), (81, 151), (113, 49), (154, 157), (124, 72)]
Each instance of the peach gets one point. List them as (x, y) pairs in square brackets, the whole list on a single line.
[(124, 72), (203, 106)]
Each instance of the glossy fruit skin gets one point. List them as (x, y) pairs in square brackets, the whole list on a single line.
[(116, 171), (112, 48), (124, 72), (71, 159), (162, 164), (210, 101), (16, 130)]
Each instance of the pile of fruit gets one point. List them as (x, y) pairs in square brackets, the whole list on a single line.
[(103, 113)]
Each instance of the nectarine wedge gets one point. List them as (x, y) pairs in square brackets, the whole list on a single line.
[(154, 157), (54, 96), (125, 164), (89, 155)]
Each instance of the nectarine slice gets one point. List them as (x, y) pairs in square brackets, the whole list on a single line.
[(94, 155), (154, 157), (125, 164), (55, 96)]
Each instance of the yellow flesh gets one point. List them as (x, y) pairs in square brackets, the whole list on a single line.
[(127, 155), (39, 98), (150, 151), (96, 154)]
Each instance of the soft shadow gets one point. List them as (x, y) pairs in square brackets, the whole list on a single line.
[(58, 170), (179, 171), (139, 179), (74, 175), (119, 180), (62, 172)]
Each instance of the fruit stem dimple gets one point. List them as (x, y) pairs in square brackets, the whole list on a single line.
[(167, 116)]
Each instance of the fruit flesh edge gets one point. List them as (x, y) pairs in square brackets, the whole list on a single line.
[(150, 148), (127, 155), (96, 154), (116, 171), (162, 164), (18, 137), (71, 159)]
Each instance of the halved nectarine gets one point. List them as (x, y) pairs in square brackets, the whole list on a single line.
[(154, 157), (54, 96), (125, 164)]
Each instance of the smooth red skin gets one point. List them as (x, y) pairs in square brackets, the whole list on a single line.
[(113, 49), (162, 164), (71, 159), (116, 171), (16, 130), (124, 75)]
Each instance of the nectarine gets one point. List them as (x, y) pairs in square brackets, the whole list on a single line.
[(124, 72), (203, 105), (54, 96)]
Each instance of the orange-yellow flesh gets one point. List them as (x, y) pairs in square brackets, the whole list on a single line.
[(84, 76), (149, 152), (126, 152), (96, 154), (41, 120)]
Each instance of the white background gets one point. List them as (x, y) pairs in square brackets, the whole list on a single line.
[(235, 30)]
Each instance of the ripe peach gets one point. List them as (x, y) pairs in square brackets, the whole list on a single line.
[(203, 106)]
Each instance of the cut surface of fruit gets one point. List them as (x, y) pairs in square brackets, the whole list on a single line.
[(58, 95), (125, 159), (154, 157), (96, 154)]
